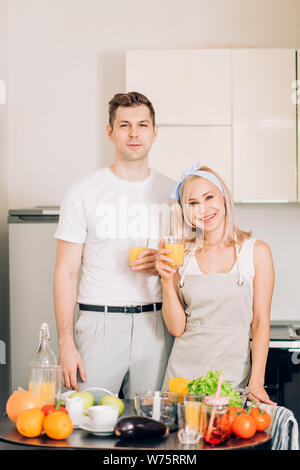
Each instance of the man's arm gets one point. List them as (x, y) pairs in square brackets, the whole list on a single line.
[(67, 267)]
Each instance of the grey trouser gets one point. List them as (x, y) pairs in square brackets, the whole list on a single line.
[(128, 349)]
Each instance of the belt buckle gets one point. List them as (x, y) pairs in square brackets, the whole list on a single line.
[(129, 309)]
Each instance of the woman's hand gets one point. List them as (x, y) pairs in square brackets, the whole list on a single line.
[(162, 264), (259, 394)]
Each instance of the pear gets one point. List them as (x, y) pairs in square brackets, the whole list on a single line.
[(88, 398), (111, 400)]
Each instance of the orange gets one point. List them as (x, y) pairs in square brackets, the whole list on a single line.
[(30, 422), (22, 400), (58, 425), (178, 385)]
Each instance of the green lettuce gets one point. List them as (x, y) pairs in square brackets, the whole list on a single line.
[(208, 386)]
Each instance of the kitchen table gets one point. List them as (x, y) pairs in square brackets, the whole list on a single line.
[(80, 439)]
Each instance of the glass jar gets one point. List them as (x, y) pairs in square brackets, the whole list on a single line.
[(216, 419)]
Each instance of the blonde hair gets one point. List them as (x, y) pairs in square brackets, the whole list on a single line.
[(181, 219)]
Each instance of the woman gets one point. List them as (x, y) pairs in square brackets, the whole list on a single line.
[(221, 293)]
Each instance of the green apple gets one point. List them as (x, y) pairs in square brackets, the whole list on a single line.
[(113, 401), (88, 398)]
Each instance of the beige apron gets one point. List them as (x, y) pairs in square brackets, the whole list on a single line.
[(217, 334)]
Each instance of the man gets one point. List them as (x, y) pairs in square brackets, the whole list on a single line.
[(120, 338)]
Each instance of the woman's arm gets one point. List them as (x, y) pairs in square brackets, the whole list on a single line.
[(263, 286), (172, 309)]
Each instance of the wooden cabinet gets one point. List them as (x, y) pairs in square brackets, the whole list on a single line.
[(264, 125), (186, 87)]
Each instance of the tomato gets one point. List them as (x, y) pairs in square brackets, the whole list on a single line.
[(261, 418), (48, 409), (244, 426), (235, 411)]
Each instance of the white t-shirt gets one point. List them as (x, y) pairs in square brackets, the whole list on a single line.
[(104, 212)]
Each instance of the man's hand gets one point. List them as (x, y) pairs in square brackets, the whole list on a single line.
[(71, 361), (146, 262)]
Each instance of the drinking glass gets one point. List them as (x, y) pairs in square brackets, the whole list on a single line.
[(189, 416), (46, 381), (177, 250), (217, 426), (136, 247), (161, 406), (196, 398)]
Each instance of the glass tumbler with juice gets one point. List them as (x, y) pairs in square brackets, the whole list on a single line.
[(177, 251), (136, 247)]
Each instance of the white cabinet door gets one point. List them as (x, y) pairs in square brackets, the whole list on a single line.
[(186, 87), (264, 125), (178, 148), (296, 100)]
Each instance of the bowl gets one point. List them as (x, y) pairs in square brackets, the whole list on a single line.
[(244, 392), (158, 405)]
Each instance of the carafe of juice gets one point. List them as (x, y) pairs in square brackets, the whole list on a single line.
[(40, 380)]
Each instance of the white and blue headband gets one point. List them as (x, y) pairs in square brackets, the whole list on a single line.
[(194, 171)]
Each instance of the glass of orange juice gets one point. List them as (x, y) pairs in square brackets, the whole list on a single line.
[(137, 246), (177, 250), (45, 380)]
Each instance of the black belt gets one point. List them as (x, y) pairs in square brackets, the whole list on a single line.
[(111, 309)]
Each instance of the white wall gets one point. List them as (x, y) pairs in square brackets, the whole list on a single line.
[(4, 303), (67, 59)]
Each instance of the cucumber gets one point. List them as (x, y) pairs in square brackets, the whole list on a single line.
[(133, 427)]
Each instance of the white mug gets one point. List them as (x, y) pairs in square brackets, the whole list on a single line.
[(74, 406), (103, 417)]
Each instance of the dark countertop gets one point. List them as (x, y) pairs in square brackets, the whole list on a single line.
[(10, 439)]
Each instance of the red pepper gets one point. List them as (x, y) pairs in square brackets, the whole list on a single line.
[(47, 409)]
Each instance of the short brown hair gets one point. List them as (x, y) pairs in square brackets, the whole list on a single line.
[(131, 99)]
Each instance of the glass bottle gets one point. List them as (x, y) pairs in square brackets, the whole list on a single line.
[(43, 356)]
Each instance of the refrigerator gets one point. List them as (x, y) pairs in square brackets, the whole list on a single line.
[(32, 256)]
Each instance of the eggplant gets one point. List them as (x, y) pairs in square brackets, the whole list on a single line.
[(133, 427)]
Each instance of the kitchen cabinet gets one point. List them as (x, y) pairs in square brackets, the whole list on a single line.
[(296, 99), (264, 125), (186, 87), (178, 148), (242, 97)]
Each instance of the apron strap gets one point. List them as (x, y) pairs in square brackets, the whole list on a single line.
[(181, 282), (240, 281)]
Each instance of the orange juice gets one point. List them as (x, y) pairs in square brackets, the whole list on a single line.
[(134, 251), (46, 390), (177, 254)]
